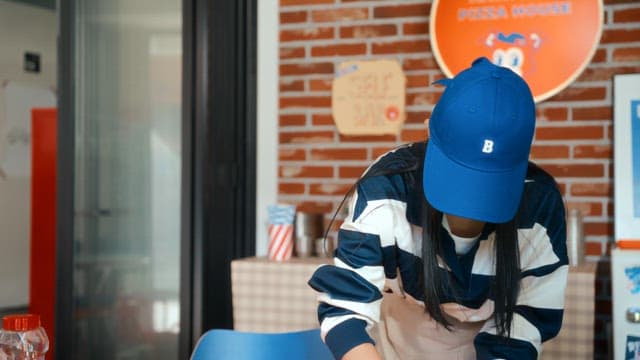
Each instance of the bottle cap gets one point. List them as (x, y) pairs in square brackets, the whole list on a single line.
[(21, 322)]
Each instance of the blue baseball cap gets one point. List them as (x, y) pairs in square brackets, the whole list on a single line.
[(480, 135)]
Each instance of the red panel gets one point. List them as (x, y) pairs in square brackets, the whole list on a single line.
[(43, 219)]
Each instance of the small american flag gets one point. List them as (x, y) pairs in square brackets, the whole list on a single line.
[(281, 231)]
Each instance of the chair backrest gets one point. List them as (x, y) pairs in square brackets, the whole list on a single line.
[(222, 344)]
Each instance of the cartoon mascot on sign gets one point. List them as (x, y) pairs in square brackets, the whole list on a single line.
[(510, 50)]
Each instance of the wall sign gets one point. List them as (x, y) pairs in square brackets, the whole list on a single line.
[(626, 132), (368, 97), (548, 43)]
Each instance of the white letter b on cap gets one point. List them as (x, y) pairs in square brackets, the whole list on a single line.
[(487, 148)]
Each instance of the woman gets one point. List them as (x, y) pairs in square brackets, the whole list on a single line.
[(453, 248)]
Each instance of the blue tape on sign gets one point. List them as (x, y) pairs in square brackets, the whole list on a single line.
[(633, 348), (347, 70), (633, 274)]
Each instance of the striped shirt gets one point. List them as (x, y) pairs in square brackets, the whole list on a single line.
[(379, 249)]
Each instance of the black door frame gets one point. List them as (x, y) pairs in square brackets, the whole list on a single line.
[(220, 90), (218, 163), (65, 181)]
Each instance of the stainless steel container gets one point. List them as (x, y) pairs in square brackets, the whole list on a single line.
[(308, 227), (575, 237)]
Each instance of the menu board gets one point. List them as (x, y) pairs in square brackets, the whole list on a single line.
[(368, 97), (626, 120)]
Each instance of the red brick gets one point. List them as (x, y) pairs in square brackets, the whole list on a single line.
[(626, 54), (569, 132), (305, 102), (426, 62), (322, 119), (320, 84), (292, 52), (626, 15), (293, 17), (290, 188), (592, 113), (338, 154), (292, 120), (345, 14), (606, 73), (580, 93), (413, 135), (305, 2), (586, 208), (611, 36), (307, 34), (552, 113), (378, 151), (423, 98), (306, 68), (575, 170), (409, 10), (400, 47), (295, 171), (351, 172), (549, 151), (592, 193), (421, 80), (599, 56), (367, 138), (329, 189), (593, 152), (291, 85), (593, 248), (417, 28), (291, 154), (417, 117), (592, 189), (368, 31), (315, 207), (339, 50), (306, 137), (598, 228)]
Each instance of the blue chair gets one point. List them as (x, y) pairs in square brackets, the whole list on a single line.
[(221, 344)]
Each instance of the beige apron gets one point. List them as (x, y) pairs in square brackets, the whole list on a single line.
[(407, 332)]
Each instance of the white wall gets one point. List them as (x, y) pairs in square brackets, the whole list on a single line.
[(22, 28), (267, 157)]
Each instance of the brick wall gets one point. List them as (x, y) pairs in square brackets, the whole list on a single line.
[(574, 133)]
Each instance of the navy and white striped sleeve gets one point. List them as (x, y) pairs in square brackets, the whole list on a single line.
[(544, 269), (350, 290)]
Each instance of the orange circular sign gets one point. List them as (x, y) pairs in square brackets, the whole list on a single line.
[(548, 43)]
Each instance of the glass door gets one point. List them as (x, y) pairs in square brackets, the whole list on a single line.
[(127, 71)]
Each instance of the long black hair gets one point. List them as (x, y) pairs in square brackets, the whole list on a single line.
[(506, 283)]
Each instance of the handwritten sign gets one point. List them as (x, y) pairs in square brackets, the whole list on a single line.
[(548, 43), (368, 97)]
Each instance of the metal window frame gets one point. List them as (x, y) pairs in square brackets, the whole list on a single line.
[(218, 163)]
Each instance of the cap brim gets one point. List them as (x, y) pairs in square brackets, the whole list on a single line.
[(470, 193)]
